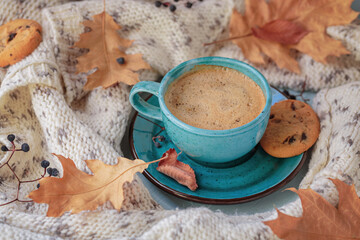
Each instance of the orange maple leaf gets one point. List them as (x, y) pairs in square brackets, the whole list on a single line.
[(321, 220), (77, 191), (313, 16), (103, 42)]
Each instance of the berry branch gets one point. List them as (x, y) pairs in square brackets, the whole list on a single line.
[(290, 96), (24, 148)]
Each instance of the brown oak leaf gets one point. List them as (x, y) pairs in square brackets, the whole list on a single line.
[(321, 220), (255, 31), (177, 170), (77, 191), (104, 42)]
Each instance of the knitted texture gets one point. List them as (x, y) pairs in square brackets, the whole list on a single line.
[(42, 102), (14, 9)]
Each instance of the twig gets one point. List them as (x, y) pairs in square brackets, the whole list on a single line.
[(302, 92), (13, 150)]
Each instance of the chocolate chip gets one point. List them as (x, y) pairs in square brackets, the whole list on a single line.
[(292, 139), (272, 116), (277, 121), (27, 26), (286, 140), (11, 36), (293, 106), (303, 137)]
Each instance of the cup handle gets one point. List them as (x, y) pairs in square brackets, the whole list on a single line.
[(142, 106)]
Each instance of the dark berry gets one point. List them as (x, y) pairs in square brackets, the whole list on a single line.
[(188, 4), (120, 60), (200, 0), (11, 137), (176, 0), (25, 147), (55, 172), (45, 163), (158, 4), (38, 185), (161, 138), (4, 148), (172, 8), (49, 171), (157, 144)]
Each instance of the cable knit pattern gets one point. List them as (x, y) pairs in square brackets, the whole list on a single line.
[(42, 102)]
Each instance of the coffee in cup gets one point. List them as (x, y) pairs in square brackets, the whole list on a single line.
[(214, 98), (218, 148)]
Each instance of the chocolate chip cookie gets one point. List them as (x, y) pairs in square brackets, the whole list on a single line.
[(292, 129), (18, 38)]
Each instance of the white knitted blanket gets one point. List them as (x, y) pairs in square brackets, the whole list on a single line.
[(43, 103)]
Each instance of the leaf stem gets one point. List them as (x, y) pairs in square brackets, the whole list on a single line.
[(121, 174), (103, 16), (228, 39), (145, 163)]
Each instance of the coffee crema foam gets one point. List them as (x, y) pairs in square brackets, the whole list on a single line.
[(214, 98)]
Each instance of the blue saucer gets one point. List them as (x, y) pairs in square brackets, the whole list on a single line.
[(258, 176)]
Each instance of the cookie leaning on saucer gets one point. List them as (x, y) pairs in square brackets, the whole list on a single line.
[(18, 38), (292, 129)]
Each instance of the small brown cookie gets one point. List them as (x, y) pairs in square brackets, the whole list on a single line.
[(18, 39), (292, 129)]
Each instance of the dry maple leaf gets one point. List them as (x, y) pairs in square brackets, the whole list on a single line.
[(321, 220), (177, 170), (312, 15), (77, 191), (103, 42)]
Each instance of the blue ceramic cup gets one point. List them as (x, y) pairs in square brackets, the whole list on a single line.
[(211, 147)]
